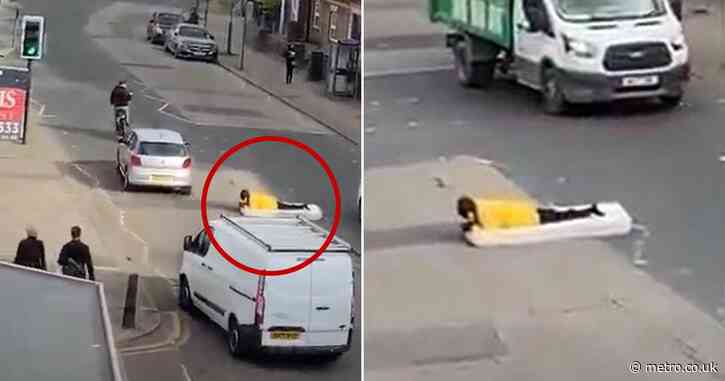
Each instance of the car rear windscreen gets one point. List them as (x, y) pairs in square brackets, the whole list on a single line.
[(162, 149)]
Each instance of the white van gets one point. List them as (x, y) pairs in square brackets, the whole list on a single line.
[(310, 311)]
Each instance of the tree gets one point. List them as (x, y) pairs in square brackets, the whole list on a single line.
[(270, 6)]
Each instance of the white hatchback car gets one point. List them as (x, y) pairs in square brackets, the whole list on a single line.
[(154, 157)]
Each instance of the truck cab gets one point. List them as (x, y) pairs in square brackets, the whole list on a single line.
[(572, 51)]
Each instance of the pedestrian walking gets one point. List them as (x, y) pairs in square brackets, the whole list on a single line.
[(290, 60), (75, 257), (31, 251)]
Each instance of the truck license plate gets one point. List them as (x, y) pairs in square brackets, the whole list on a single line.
[(650, 80), (285, 335)]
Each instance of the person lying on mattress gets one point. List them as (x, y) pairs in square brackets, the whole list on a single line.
[(260, 200), (506, 214)]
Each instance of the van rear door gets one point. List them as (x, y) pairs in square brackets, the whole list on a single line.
[(287, 300), (331, 293)]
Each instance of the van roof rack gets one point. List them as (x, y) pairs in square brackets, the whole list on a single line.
[(286, 235)]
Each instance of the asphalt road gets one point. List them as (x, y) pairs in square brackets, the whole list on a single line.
[(662, 165), (91, 46)]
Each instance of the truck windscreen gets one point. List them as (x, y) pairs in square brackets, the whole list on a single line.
[(609, 10)]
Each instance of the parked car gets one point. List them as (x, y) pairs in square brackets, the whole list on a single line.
[(310, 311), (192, 41), (154, 157), (159, 24)]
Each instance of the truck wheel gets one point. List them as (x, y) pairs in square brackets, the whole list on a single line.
[(472, 74), (671, 101), (483, 73), (554, 101)]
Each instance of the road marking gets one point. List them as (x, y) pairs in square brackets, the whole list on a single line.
[(408, 71), (163, 107), (136, 353), (153, 97), (145, 260), (49, 116), (107, 268), (186, 372)]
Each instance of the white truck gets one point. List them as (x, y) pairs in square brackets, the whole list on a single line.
[(572, 51)]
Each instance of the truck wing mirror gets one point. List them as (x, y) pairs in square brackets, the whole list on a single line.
[(538, 20), (187, 243)]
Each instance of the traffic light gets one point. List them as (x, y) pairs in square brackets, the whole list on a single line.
[(31, 46)]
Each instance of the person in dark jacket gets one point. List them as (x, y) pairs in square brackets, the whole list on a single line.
[(78, 252), (193, 16), (31, 252), (120, 98), (289, 56)]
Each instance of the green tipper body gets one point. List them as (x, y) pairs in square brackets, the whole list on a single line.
[(488, 19)]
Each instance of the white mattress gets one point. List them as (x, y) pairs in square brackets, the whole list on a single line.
[(616, 221), (312, 212)]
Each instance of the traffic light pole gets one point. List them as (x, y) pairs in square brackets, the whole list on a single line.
[(26, 120)]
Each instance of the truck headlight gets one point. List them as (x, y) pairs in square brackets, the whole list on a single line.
[(579, 48), (678, 43)]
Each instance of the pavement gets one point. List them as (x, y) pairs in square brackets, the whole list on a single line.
[(663, 166), (266, 70), (214, 110)]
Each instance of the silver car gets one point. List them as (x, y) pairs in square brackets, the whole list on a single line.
[(155, 158), (191, 41)]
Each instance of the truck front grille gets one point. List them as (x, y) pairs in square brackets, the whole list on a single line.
[(637, 56)]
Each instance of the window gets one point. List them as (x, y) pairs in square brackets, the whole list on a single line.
[(200, 244), (353, 27), (332, 28), (316, 15), (193, 32), (162, 149)]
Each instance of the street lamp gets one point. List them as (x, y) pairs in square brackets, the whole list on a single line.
[(244, 32)]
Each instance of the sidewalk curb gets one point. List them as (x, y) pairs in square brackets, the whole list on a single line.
[(140, 334), (175, 337), (288, 103)]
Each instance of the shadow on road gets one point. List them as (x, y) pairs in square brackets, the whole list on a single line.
[(439, 233)]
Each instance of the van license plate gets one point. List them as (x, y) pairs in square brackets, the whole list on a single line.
[(650, 80), (285, 335)]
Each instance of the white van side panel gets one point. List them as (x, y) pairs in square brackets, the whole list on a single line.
[(239, 287)]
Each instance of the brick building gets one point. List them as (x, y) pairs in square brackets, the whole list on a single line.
[(320, 22)]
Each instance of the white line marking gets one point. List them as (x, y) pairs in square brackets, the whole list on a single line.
[(146, 352), (107, 268), (186, 372), (163, 107), (417, 70), (153, 97), (49, 116), (146, 256)]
